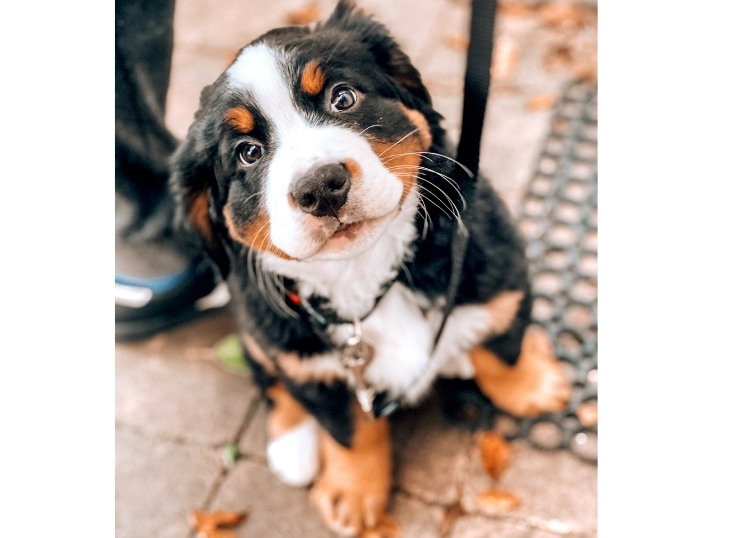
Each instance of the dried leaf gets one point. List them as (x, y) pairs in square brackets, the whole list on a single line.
[(505, 60), (566, 16), (542, 101), (304, 15), (495, 452), (498, 499), (386, 528), (515, 9), (208, 524), (456, 41), (587, 413), (452, 513)]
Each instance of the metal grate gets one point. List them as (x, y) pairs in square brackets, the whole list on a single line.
[(558, 218)]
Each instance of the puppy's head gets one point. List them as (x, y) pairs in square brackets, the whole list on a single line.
[(309, 144)]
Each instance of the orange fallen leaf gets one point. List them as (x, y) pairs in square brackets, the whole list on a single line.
[(209, 524), (587, 413), (543, 101), (565, 16), (515, 9), (452, 513), (505, 59), (304, 15), (386, 528), (498, 499), (495, 452), (456, 41)]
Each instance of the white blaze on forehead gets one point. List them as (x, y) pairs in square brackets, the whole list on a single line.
[(257, 69), (297, 145)]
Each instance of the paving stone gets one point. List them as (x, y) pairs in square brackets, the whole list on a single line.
[(254, 440), (415, 518), (430, 456), (157, 483), (161, 391), (275, 510), (558, 491), (481, 527)]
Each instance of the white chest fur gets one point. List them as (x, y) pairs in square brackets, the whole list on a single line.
[(402, 331)]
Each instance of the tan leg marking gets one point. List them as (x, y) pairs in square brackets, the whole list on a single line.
[(353, 488), (286, 414), (536, 384)]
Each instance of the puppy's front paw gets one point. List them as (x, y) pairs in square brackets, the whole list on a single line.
[(349, 507), (353, 489)]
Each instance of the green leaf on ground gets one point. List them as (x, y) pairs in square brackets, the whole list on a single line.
[(229, 352), (230, 455)]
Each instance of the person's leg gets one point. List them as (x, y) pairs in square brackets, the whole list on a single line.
[(143, 144), (158, 279)]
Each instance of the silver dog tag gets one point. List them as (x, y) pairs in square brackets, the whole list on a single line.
[(357, 354)]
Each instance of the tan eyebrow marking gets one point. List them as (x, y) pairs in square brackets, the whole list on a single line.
[(313, 78), (240, 119)]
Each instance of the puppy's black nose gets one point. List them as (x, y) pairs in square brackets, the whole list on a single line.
[(323, 190)]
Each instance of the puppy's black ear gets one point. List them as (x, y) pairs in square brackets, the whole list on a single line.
[(377, 39), (193, 185)]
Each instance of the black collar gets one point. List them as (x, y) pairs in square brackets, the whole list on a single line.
[(315, 310)]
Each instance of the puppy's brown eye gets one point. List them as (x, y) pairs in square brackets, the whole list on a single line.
[(343, 98), (248, 154)]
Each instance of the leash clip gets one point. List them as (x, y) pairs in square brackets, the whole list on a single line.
[(356, 355)]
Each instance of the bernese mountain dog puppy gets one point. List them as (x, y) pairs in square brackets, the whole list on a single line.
[(318, 177)]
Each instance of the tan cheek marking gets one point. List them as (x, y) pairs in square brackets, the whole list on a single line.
[(240, 119), (354, 169), (286, 414), (313, 78), (536, 384), (357, 478), (302, 371), (256, 234), (258, 355), (504, 307), (424, 132), (199, 214), (403, 158)]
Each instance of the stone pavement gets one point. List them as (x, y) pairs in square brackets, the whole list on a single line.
[(176, 408)]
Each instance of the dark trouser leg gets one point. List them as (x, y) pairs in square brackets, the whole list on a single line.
[(143, 144), (158, 279)]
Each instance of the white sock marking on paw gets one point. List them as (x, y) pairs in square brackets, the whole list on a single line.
[(293, 456)]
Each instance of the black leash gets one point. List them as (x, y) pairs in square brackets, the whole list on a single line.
[(476, 90)]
